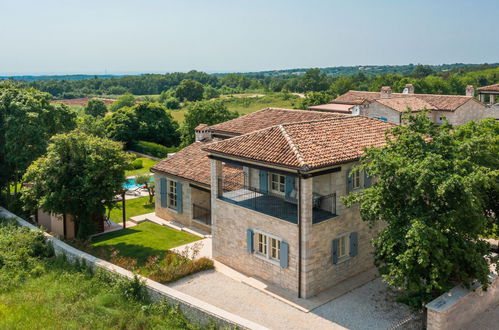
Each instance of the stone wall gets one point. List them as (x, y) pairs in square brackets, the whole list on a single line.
[(193, 308), (380, 110), (167, 213), (471, 110), (457, 308)]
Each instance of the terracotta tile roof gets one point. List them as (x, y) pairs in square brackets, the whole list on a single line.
[(190, 163), (438, 102), (490, 88), (200, 127), (307, 145), (266, 118), (402, 103), (343, 108)]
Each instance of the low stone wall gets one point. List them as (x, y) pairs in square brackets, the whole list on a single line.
[(458, 307), (193, 308)]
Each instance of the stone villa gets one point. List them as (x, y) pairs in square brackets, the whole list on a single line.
[(388, 106), (183, 180), (281, 218)]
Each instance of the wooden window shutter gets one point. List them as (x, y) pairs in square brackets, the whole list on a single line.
[(334, 252), (249, 240), (179, 197), (354, 245), (162, 183), (289, 185), (264, 181), (284, 254), (349, 181), (367, 180)]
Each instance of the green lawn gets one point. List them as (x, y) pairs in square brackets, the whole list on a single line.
[(146, 165), (249, 104), (143, 240), (133, 207)]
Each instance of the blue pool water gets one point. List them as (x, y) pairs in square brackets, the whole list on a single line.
[(131, 184)]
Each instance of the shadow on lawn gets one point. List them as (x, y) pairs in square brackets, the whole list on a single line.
[(133, 251)]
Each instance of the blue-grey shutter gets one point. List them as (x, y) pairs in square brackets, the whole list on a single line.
[(264, 181), (284, 254), (289, 185), (349, 181), (334, 251), (162, 183), (354, 237), (367, 180), (179, 197), (249, 240)]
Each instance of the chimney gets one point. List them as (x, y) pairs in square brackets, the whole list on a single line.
[(386, 92), (202, 132), (470, 91), (408, 89)]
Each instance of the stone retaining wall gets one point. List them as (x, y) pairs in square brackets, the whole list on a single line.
[(193, 308), (460, 306)]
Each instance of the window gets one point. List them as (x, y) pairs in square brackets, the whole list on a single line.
[(275, 249), (355, 179), (172, 194), (343, 246), (267, 246), (277, 183), (261, 243)]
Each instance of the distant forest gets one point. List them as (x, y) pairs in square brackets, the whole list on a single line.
[(440, 79)]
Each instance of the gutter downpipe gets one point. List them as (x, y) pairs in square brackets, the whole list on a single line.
[(299, 233)]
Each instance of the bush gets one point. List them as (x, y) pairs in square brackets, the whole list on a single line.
[(137, 163), (152, 149), (172, 103), (174, 266)]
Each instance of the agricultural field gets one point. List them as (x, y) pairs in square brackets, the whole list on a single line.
[(82, 102)]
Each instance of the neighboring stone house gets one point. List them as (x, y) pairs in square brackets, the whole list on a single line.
[(490, 92), (284, 222), (388, 106), (182, 181)]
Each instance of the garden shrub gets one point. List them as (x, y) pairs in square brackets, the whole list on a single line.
[(152, 149), (137, 163)]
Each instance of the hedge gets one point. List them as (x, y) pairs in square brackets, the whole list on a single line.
[(152, 149)]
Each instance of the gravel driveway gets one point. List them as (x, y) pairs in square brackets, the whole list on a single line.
[(367, 307)]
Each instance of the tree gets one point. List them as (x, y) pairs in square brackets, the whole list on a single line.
[(145, 180), (204, 112), (144, 121), (421, 71), (432, 189), (172, 103), (189, 90), (91, 125), (27, 121), (342, 85), (96, 108), (210, 93), (314, 81), (126, 100), (78, 175)]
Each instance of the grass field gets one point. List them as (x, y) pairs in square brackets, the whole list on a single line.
[(39, 291), (146, 165), (245, 105), (133, 207), (143, 240)]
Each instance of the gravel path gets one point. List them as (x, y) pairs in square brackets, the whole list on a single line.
[(363, 308)]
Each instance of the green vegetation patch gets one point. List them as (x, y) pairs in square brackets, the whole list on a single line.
[(133, 207), (146, 165), (143, 240)]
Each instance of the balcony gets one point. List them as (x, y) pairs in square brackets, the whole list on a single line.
[(275, 205)]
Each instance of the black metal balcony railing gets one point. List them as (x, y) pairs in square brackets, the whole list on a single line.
[(276, 205), (201, 214)]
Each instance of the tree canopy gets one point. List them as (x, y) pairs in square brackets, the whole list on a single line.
[(27, 121), (126, 100), (96, 108), (145, 121), (189, 90), (77, 175), (433, 189), (204, 112)]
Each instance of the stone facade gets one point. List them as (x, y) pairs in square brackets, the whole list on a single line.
[(190, 195), (378, 110), (231, 222)]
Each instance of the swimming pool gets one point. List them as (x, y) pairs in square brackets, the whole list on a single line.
[(131, 184)]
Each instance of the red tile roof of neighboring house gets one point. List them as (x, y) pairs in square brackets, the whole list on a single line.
[(335, 107), (201, 127), (490, 88), (266, 118), (438, 102), (402, 103), (307, 145)]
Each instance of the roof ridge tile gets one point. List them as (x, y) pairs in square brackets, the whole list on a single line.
[(293, 147)]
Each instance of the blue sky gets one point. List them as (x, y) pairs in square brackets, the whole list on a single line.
[(98, 36)]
